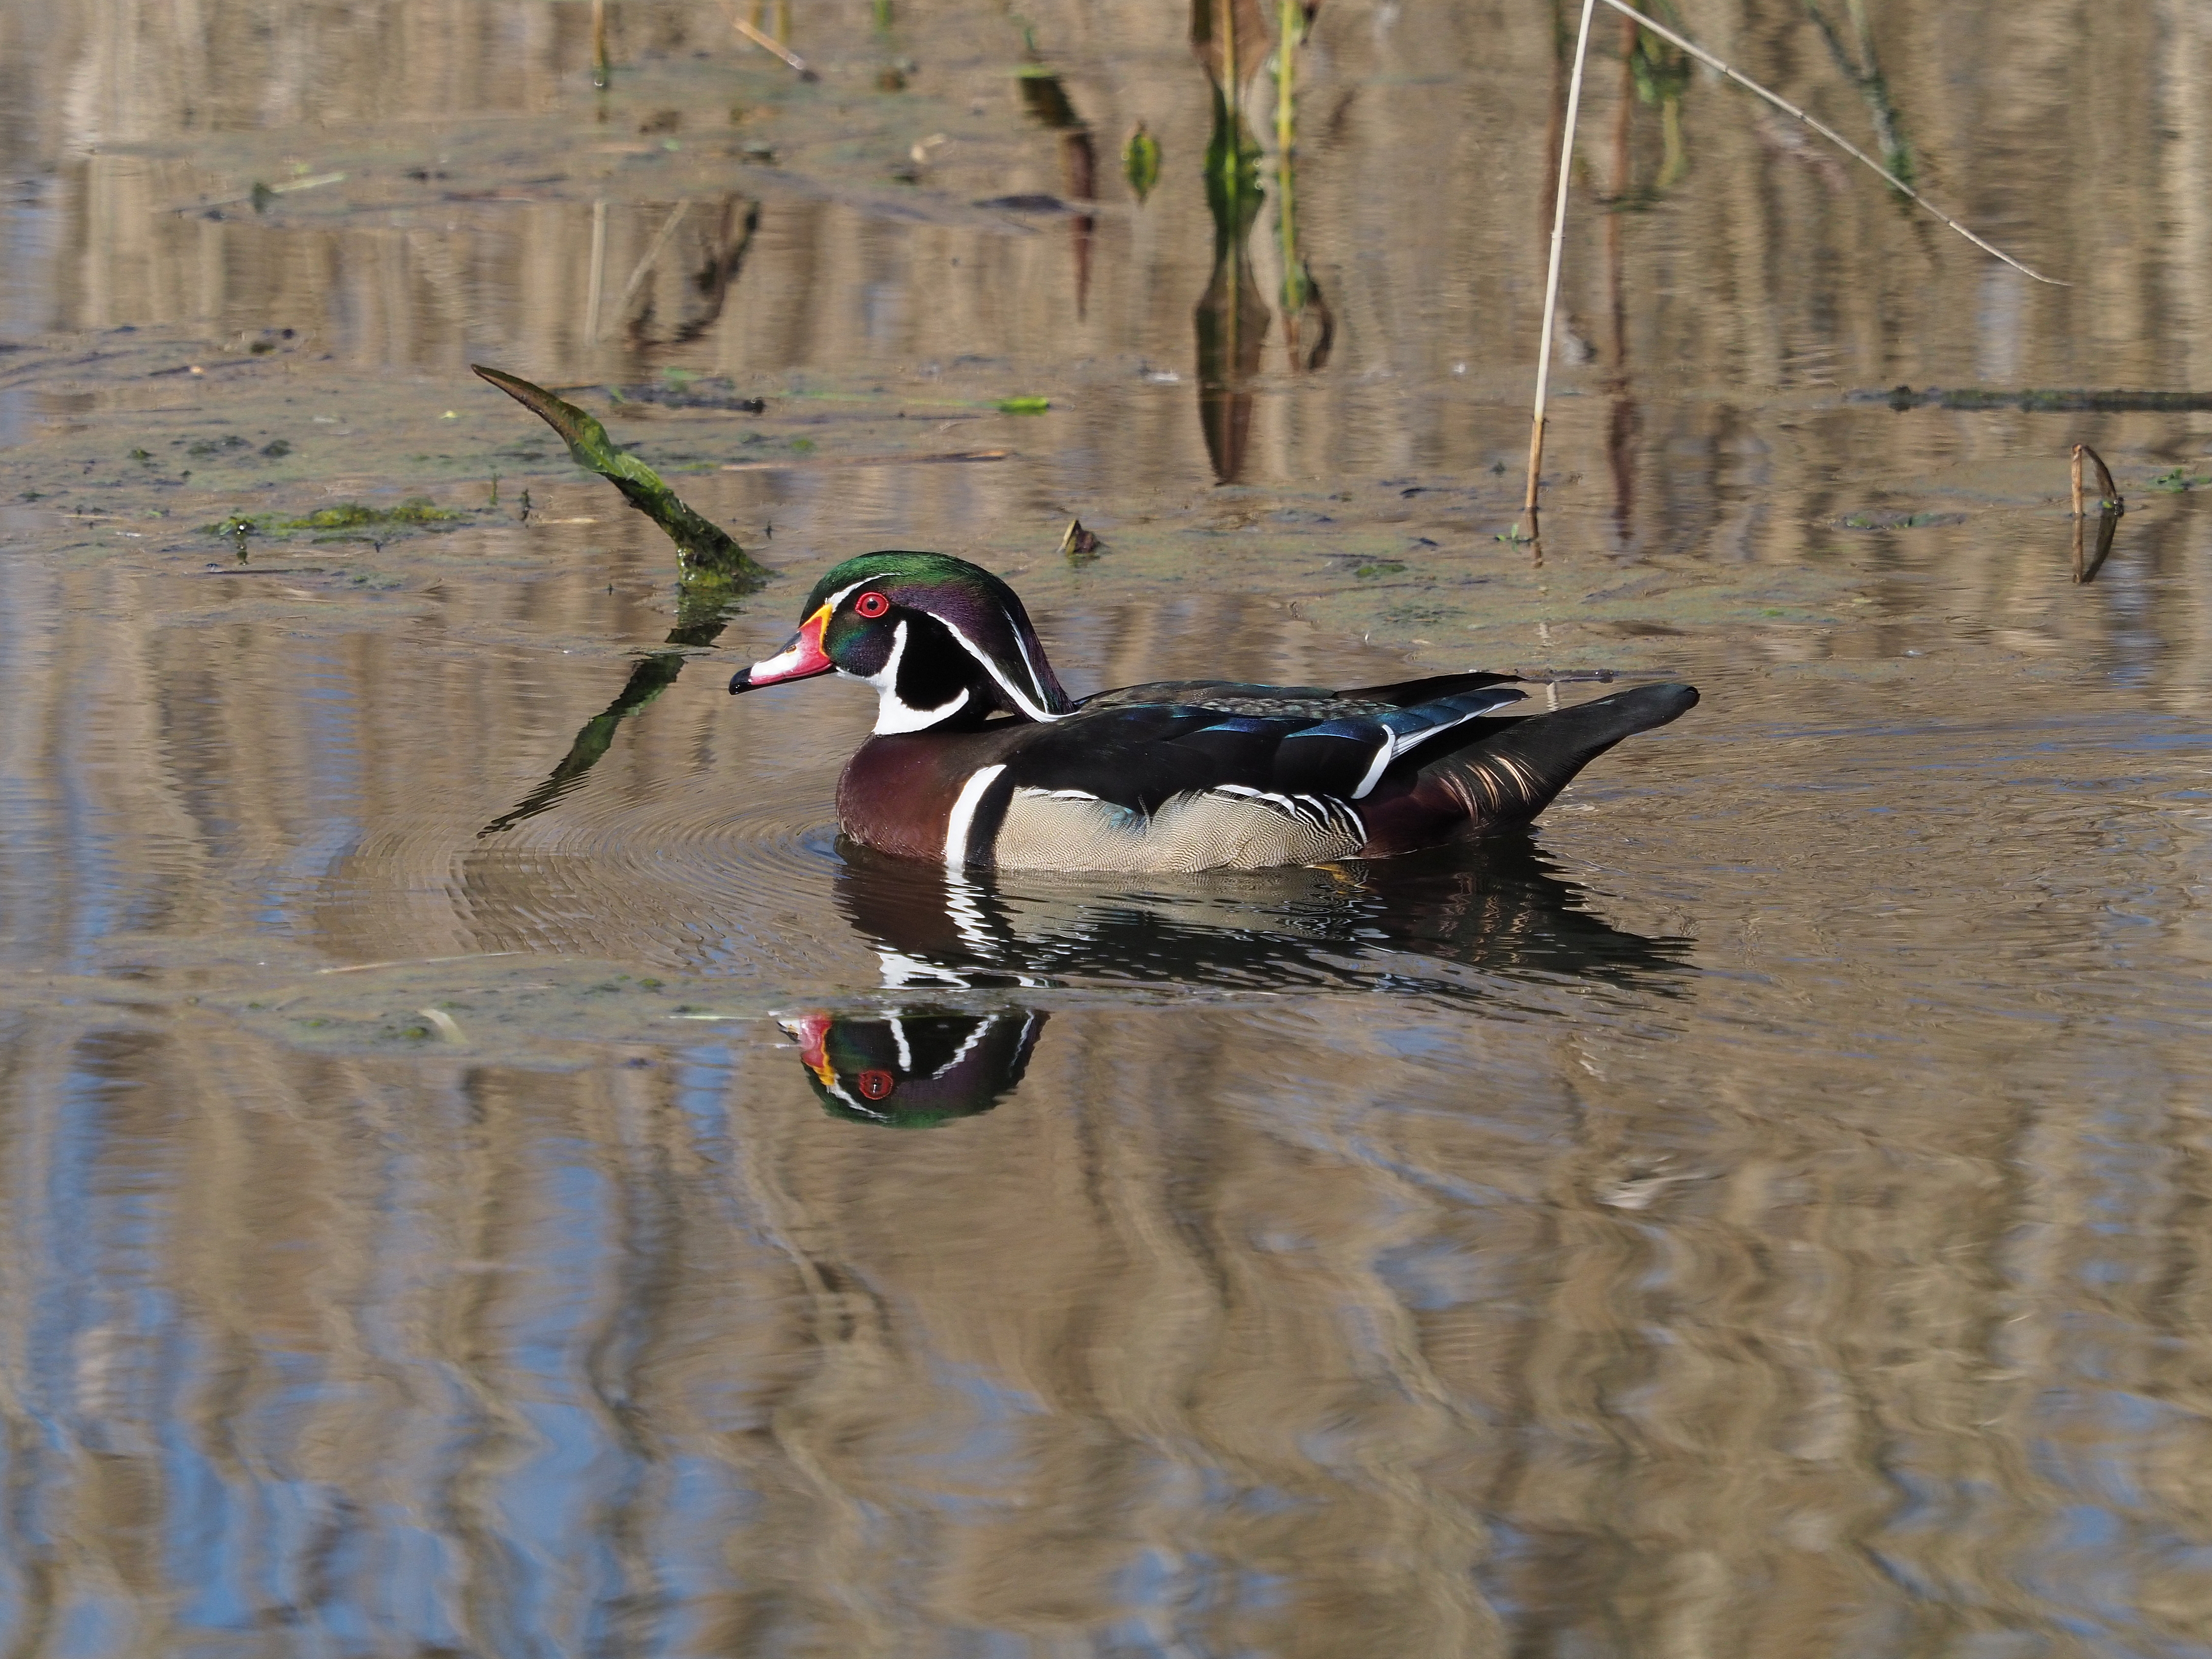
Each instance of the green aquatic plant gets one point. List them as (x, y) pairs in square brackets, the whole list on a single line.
[(1141, 161), (1661, 74), (703, 549)]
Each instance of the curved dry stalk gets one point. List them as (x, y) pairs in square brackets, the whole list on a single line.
[(1830, 135)]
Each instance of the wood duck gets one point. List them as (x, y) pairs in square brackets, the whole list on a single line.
[(979, 757)]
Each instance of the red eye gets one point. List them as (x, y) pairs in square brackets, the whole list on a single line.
[(874, 1085), (872, 606)]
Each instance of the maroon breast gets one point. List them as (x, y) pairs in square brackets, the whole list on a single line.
[(896, 792)]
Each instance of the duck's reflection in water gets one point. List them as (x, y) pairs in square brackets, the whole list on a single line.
[(911, 1070), (1464, 923), (1456, 921)]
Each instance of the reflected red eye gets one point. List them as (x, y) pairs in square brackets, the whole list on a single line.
[(874, 1085), (872, 604)]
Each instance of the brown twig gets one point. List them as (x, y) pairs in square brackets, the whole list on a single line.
[(2111, 500), (2077, 504), (775, 47)]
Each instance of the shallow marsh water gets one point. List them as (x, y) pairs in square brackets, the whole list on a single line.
[(1765, 1211)]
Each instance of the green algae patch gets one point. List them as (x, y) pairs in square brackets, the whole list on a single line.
[(416, 513), (353, 515)]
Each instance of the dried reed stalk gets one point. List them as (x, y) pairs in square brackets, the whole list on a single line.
[(1552, 275), (769, 44)]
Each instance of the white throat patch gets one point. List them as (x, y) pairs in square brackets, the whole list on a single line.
[(893, 713)]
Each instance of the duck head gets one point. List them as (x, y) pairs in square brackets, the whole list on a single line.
[(945, 643), (912, 1071)]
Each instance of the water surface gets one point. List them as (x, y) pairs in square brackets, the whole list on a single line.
[(1761, 1211)]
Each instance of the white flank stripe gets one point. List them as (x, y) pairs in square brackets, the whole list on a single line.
[(1397, 745), (1383, 755), (964, 816)]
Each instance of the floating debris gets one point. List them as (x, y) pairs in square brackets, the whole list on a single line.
[(1903, 397), (1079, 545)]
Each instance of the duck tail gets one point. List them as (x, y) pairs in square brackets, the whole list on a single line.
[(1506, 779)]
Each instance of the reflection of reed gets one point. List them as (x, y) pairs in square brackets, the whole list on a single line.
[(1232, 316), (1301, 293), (1047, 103)]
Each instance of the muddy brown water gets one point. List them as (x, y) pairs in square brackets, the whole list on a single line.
[(1765, 1211)]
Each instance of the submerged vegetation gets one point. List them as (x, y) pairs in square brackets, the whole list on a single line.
[(416, 512)]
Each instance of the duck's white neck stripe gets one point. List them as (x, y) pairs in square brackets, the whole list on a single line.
[(963, 815), (1030, 702), (982, 1027)]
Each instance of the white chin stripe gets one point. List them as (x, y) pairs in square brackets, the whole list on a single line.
[(964, 816), (893, 713)]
